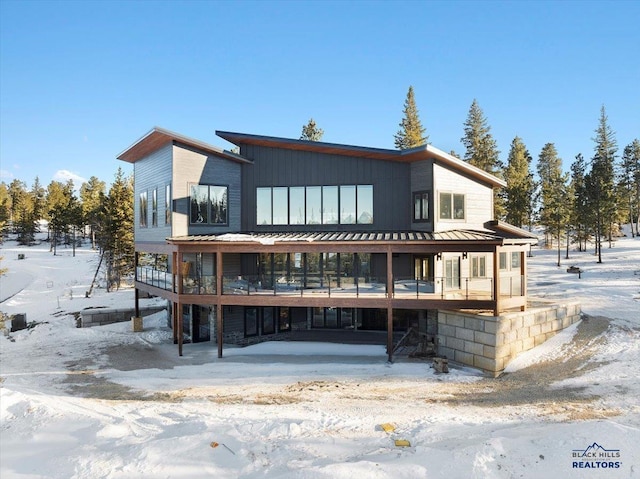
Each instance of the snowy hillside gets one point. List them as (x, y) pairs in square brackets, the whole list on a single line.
[(104, 402)]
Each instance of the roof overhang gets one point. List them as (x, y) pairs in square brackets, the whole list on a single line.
[(332, 238), (421, 153), (157, 137), (511, 234)]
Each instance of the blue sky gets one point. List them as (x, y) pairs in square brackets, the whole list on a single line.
[(81, 81)]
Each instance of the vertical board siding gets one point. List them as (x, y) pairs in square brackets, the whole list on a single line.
[(192, 166), (153, 171), (478, 199), (280, 167)]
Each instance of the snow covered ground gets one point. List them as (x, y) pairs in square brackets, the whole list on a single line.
[(104, 402)]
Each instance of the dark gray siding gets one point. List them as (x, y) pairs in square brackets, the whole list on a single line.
[(151, 172), (279, 167), (194, 166)]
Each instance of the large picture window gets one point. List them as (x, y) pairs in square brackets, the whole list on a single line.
[(208, 204), (452, 206), (314, 205), (143, 209)]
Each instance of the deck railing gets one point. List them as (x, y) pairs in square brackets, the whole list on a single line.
[(338, 286)]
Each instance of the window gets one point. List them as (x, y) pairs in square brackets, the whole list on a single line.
[(208, 204), (329, 205), (503, 262), (143, 209), (452, 206), (515, 260), (280, 206), (284, 323), (296, 205), (263, 206), (478, 266), (268, 320), (154, 207), (421, 206), (511, 262), (347, 204), (167, 204), (365, 204), (314, 205), (251, 321)]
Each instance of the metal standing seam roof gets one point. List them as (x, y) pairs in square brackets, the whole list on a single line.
[(343, 236)]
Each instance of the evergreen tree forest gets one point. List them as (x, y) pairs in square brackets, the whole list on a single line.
[(103, 218), (583, 206)]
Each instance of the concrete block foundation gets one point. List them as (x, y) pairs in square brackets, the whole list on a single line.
[(489, 343)]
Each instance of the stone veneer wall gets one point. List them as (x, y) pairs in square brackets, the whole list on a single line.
[(490, 343), (102, 316)]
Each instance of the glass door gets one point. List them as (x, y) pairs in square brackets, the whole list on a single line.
[(452, 273)]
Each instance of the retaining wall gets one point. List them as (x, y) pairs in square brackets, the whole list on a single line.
[(102, 316), (491, 342)]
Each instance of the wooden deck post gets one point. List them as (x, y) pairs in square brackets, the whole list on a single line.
[(179, 328), (496, 281), (389, 304), (523, 278), (219, 309)]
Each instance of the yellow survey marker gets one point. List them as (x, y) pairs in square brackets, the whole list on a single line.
[(388, 427)]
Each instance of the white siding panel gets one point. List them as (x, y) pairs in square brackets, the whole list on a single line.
[(478, 199)]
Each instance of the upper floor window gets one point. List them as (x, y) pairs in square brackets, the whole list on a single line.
[(421, 206), (208, 204), (167, 204), (143, 209), (154, 207), (452, 206), (314, 205)]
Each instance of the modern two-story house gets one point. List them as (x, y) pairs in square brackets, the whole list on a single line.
[(290, 236)]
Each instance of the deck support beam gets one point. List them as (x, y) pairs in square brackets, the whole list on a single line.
[(389, 304), (219, 309)]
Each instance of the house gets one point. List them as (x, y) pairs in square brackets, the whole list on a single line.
[(290, 237)]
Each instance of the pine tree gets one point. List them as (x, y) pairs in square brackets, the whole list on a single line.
[(554, 194), (5, 207), (92, 195), (411, 133), (311, 132), (116, 238), (629, 180), (481, 150), (579, 203), (17, 191), (61, 211), (520, 185), (601, 182), (38, 196)]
